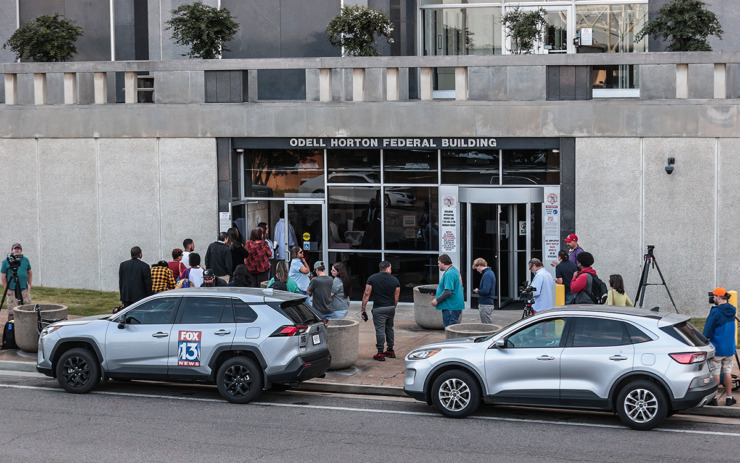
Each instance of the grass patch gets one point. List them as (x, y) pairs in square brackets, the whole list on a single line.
[(698, 323), (81, 302)]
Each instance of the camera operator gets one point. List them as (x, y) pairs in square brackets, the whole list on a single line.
[(17, 264), (544, 293), (720, 330)]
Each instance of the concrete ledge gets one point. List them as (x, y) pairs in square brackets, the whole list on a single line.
[(317, 386), (17, 366)]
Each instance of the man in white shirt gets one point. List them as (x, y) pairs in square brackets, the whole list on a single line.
[(280, 251), (544, 295)]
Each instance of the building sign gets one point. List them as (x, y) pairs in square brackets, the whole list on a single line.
[(448, 224), (551, 226), (430, 143)]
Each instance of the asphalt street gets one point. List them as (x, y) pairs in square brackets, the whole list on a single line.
[(156, 422)]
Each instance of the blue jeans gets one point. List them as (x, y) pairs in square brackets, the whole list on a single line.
[(450, 317), (336, 314)]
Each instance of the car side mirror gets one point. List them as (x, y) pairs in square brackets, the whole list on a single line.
[(122, 322), (500, 343)]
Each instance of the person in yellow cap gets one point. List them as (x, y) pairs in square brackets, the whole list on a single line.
[(720, 330)]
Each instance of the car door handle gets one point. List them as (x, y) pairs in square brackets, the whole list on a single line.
[(545, 357), (222, 332), (160, 334), (617, 357)]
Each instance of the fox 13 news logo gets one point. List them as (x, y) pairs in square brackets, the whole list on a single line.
[(188, 348)]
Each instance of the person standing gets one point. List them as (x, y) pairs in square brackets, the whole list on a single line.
[(486, 291), (176, 265), (134, 279), (564, 272), (218, 257), (162, 279), (188, 246), (575, 249), (384, 289), (580, 282), (258, 258), (238, 252), (210, 280), (341, 290), (266, 233), (194, 273), (720, 330), (449, 297), (319, 288), (616, 295), (544, 293), (25, 276), (280, 250), (299, 269)]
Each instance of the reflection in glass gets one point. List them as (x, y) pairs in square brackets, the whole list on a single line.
[(413, 270), (354, 217), (280, 172), (410, 166), (355, 166), (536, 167), (411, 218), (470, 167), (359, 267)]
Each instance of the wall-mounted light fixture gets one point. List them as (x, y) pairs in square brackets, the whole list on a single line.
[(239, 150), (669, 168)]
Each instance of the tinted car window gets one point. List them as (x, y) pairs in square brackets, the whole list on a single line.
[(544, 334), (687, 334), (636, 334), (158, 311), (243, 313), (197, 310), (599, 332)]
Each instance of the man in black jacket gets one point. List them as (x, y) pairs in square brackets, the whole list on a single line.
[(134, 279), (218, 257)]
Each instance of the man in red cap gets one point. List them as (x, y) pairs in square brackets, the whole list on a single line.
[(572, 242), (720, 330)]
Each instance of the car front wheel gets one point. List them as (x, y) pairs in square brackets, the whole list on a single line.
[(456, 394), (239, 380), (78, 371), (642, 405)]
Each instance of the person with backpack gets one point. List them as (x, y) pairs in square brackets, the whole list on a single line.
[(282, 281), (544, 293), (586, 285), (617, 296), (191, 277)]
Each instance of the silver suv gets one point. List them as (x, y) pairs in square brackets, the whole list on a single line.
[(242, 340), (643, 365)]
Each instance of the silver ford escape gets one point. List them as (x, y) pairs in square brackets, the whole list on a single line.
[(241, 339), (642, 365)]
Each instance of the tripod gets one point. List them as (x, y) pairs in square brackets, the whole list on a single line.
[(13, 278), (650, 260)]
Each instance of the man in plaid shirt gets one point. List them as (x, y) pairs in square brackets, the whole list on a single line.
[(162, 278)]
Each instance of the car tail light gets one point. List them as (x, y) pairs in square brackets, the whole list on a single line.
[(289, 330), (689, 358)]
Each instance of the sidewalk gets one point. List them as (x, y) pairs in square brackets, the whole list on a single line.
[(370, 376)]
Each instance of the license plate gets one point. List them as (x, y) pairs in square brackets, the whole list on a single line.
[(316, 339)]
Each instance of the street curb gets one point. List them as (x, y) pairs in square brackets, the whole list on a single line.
[(17, 366), (321, 386)]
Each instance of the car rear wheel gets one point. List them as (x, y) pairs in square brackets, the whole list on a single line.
[(456, 394), (642, 405), (78, 371), (239, 380)]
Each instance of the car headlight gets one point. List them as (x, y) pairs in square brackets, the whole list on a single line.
[(422, 354), (48, 330)]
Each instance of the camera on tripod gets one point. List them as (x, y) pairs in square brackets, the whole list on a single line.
[(711, 297), (14, 260), (526, 291)]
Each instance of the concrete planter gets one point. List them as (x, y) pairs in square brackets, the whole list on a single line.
[(26, 324), (470, 330), (426, 315), (343, 337)]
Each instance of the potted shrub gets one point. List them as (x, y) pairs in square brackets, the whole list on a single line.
[(525, 28), (44, 39), (356, 30), (686, 22), (203, 28)]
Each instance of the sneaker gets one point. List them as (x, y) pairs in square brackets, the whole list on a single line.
[(713, 402), (379, 357), (390, 354), (730, 401)]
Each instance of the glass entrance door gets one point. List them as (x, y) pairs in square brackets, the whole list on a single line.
[(305, 218)]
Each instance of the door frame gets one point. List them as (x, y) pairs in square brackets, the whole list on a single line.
[(287, 202), (497, 195)]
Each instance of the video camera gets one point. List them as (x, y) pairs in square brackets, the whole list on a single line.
[(526, 291), (14, 260)]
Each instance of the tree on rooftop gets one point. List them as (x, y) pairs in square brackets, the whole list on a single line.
[(44, 39), (203, 28), (686, 22), (525, 28), (357, 28)]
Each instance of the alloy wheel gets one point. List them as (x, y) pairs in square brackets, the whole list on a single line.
[(454, 394), (641, 405), (238, 380)]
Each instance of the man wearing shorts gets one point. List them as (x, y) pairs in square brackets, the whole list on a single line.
[(720, 330)]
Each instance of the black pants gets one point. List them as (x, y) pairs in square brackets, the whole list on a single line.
[(383, 321)]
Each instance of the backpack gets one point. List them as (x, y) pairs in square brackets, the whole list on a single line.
[(596, 291), (183, 282), (279, 285), (9, 336)]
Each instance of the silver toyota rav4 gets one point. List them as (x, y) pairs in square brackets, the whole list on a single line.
[(242, 340), (642, 365)]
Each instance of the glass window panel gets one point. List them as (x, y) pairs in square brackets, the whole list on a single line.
[(411, 218), (155, 312), (359, 268), (470, 167), (353, 166), (539, 335), (413, 270), (243, 313), (355, 211), (531, 167), (599, 332), (614, 27), (282, 173), (203, 309), (235, 172), (410, 166)]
